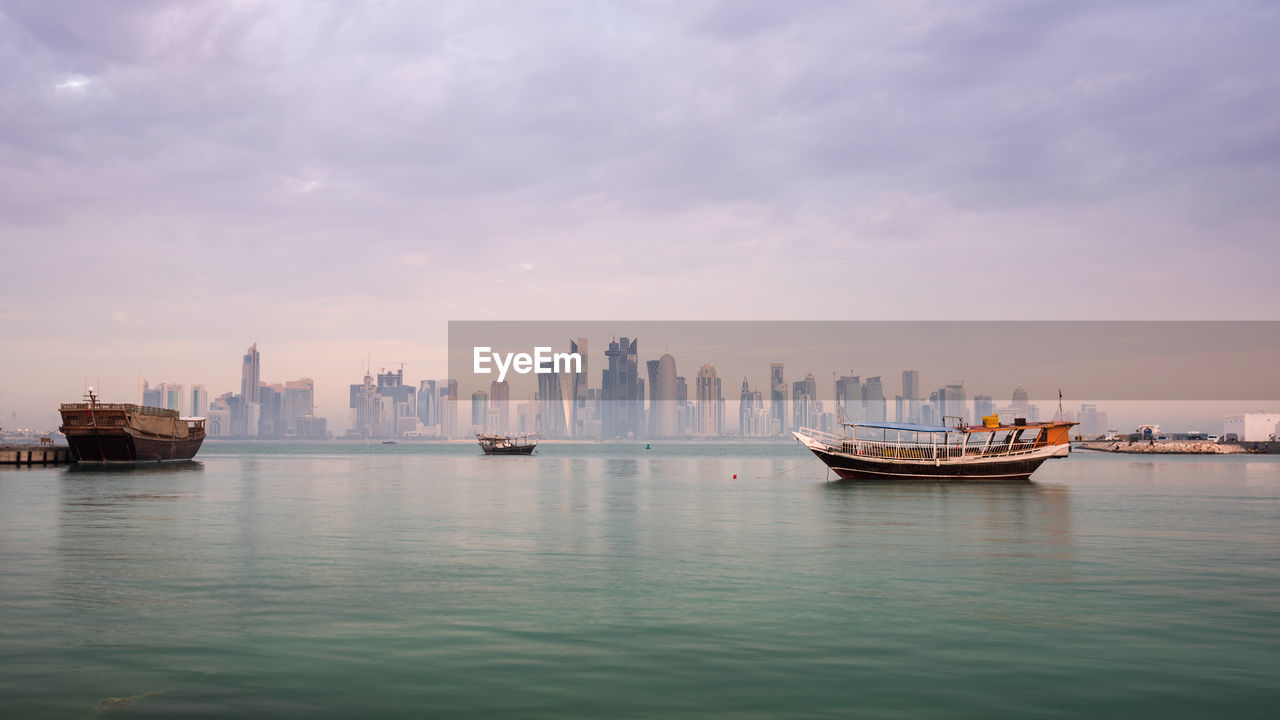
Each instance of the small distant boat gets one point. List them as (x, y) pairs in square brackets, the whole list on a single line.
[(389, 442), (120, 432), (507, 444), (990, 451)]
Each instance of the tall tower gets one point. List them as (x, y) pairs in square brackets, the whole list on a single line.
[(777, 400), (249, 375), (664, 391), (499, 407), (710, 402), (622, 390), (874, 401), (910, 410)]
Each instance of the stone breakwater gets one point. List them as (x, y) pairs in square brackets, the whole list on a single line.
[(1166, 447)]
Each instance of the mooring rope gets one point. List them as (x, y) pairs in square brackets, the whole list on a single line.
[(784, 472)]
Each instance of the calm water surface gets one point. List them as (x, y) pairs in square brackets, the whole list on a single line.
[(608, 581)]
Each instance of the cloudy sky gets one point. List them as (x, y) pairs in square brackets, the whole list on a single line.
[(336, 181)]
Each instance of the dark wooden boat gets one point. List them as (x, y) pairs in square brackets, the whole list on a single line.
[(119, 432), (935, 452), (507, 444)]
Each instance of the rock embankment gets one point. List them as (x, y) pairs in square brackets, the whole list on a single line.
[(1167, 447)]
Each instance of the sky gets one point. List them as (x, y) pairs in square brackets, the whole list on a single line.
[(337, 181)]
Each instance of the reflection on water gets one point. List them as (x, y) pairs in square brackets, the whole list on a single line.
[(118, 530), (177, 466)]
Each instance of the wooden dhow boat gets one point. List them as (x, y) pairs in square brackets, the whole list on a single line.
[(120, 432), (911, 451), (507, 444)]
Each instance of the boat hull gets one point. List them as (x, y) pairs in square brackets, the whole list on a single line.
[(850, 467), (515, 450), (88, 445)]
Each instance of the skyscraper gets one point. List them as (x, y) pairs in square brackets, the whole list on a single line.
[(428, 404), (622, 391), (777, 400), (983, 406), (665, 411), (911, 396), (951, 403), (479, 409), (249, 375), (874, 401), (250, 394), (1021, 404), (752, 416), (299, 402), (552, 401), (153, 396), (911, 384), (804, 402), (849, 397), (683, 420), (449, 407), (499, 407), (199, 401), (578, 408), (364, 408), (400, 403), (710, 401), (173, 396)]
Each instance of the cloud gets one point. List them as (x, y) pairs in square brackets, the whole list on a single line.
[(241, 167)]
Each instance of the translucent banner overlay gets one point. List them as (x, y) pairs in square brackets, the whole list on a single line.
[(667, 378)]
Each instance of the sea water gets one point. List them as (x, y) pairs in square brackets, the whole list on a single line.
[(607, 580)]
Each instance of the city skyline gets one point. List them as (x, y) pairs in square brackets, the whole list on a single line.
[(396, 407), (879, 401)]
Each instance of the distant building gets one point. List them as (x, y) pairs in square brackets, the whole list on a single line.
[(365, 409), (153, 397), (664, 409), (909, 407), (556, 393), (911, 384), (849, 397), (199, 401), (479, 410), (310, 427), (1251, 427), (777, 400), (219, 418), (753, 417), (983, 406), (804, 402), (299, 402), (1021, 403), (250, 377), (710, 401), (271, 411), (174, 396), (1092, 422), (950, 402), (576, 396), (499, 418), (877, 407), (449, 408), (429, 404), (622, 402)]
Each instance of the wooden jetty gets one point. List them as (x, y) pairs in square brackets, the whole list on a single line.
[(33, 454)]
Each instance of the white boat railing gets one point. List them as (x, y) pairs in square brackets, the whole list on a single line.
[(946, 448)]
